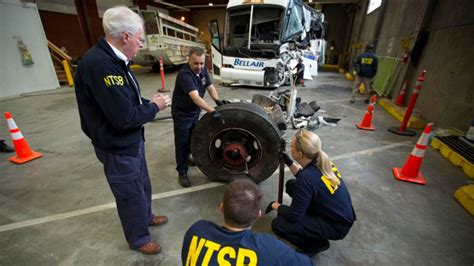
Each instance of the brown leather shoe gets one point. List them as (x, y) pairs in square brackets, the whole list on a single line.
[(158, 220), (149, 248)]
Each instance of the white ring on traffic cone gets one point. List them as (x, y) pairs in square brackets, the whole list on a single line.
[(17, 135), (418, 152), (11, 124), (423, 139)]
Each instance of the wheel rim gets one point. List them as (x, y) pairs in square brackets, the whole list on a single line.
[(235, 149)]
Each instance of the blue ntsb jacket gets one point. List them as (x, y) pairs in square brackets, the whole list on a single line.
[(366, 64), (206, 243), (109, 104)]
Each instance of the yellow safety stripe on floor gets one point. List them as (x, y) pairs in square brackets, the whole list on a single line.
[(465, 196), (453, 156), (399, 112)]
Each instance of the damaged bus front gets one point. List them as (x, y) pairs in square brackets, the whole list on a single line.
[(261, 38)]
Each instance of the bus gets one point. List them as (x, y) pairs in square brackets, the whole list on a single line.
[(262, 40), (167, 38)]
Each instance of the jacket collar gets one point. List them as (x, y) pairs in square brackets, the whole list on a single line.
[(104, 45), (119, 53)]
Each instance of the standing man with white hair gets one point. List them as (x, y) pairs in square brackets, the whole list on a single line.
[(112, 114)]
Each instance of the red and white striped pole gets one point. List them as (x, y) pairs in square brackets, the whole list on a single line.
[(162, 73), (402, 130), (411, 170), (401, 94)]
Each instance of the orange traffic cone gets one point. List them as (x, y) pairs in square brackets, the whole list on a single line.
[(23, 151), (401, 94), (411, 170), (366, 123)]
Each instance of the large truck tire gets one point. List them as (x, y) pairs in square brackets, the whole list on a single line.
[(246, 145)]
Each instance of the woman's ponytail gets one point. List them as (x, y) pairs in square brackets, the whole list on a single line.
[(325, 166)]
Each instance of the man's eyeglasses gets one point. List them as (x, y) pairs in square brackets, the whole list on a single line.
[(142, 40)]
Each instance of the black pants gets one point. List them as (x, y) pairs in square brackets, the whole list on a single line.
[(183, 130), (312, 232)]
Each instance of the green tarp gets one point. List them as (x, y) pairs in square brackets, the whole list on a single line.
[(387, 72)]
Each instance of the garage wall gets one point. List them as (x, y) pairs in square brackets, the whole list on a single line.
[(444, 50), (68, 35), (448, 94), (23, 21), (201, 19), (339, 18)]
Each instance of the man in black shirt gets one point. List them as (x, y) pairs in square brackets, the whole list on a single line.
[(191, 85)]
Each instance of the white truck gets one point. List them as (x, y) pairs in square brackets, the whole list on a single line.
[(262, 41), (167, 38)]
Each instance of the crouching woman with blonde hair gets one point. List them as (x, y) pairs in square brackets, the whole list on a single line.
[(321, 206)]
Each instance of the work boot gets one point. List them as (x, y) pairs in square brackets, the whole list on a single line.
[(149, 248), (5, 148), (184, 180)]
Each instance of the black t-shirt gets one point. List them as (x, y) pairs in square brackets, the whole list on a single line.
[(206, 243), (182, 106)]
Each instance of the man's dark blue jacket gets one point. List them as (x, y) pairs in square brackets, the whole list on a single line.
[(366, 64), (109, 104)]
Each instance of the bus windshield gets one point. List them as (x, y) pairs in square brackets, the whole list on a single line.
[(264, 30)]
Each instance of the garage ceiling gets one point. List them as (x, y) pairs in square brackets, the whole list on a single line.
[(223, 3)]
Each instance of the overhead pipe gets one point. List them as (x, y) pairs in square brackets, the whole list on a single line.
[(205, 6), (171, 5)]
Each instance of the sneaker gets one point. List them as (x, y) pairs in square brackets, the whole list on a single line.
[(5, 148), (184, 180), (367, 101), (310, 253), (352, 101)]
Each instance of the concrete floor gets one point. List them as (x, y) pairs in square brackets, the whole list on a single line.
[(59, 210)]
